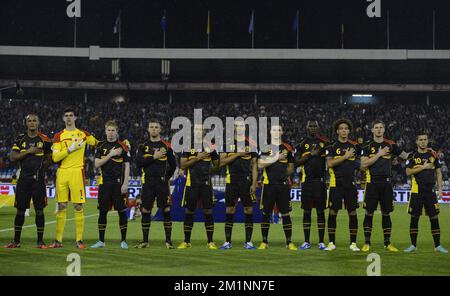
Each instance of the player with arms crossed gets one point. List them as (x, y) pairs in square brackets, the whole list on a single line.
[(277, 165), (68, 150), (33, 151), (342, 167), (241, 182), (376, 161), (198, 191), (424, 168), (157, 161), (112, 157), (311, 157)]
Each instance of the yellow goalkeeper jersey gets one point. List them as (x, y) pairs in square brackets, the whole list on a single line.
[(62, 142)]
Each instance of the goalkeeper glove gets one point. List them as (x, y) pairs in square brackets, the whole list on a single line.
[(75, 146)]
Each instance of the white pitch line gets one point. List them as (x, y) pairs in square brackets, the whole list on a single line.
[(46, 223)]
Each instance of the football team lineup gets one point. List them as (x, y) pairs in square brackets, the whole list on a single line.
[(314, 155), (224, 147)]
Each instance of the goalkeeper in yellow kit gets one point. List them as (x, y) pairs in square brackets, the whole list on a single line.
[(68, 151)]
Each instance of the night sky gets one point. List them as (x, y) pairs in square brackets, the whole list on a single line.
[(45, 23)]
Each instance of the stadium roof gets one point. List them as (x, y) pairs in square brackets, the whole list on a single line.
[(435, 71)]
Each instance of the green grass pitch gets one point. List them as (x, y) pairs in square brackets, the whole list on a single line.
[(277, 260)]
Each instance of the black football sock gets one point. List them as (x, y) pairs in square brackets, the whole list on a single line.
[(332, 228), (248, 227), (414, 230), (102, 221), (287, 227), (307, 225), (387, 226), (40, 224), (209, 226), (167, 226), (18, 223), (435, 231), (265, 225), (321, 225), (353, 227), (145, 222), (368, 222), (188, 224), (123, 224), (228, 226)]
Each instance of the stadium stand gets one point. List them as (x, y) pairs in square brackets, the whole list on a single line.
[(402, 120)]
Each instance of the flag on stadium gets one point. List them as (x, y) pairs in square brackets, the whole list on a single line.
[(117, 24), (164, 23), (295, 26), (251, 28), (251, 24), (208, 26), (295, 22)]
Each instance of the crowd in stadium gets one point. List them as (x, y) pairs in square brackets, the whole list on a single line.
[(402, 121)]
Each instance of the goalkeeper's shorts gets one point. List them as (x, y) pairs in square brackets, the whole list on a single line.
[(70, 185)]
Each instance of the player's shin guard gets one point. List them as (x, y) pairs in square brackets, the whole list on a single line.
[(387, 225), (414, 230), (248, 227), (321, 225), (307, 225), (167, 225), (18, 223), (229, 220), (209, 226), (79, 224), (265, 225), (123, 225), (60, 223), (40, 224), (368, 222), (102, 221), (188, 224), (287, 227), (332, 228), (145, 223), (353, 227), (435, 231)]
